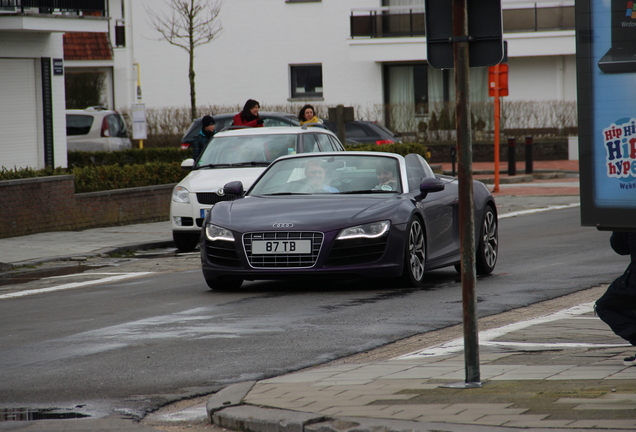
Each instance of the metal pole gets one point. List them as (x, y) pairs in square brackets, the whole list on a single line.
[(466, 213), (529, 155), (512, 157), (497, 116)]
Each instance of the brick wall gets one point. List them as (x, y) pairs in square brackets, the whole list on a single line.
[(45, 204)]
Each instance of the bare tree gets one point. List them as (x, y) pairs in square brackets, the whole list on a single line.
[(189, 24)]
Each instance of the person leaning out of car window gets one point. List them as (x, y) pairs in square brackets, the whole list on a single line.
[(201, 141), (307, 114), (249, 116)]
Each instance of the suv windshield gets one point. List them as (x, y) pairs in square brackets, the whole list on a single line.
[(235, 150)]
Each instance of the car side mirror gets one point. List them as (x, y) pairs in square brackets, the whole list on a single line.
[(234, 188), (429, 185), (187, 164)]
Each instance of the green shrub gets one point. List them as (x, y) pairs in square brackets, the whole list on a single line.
[(24, 173), (127, 157), (93, 178), (107, 177)]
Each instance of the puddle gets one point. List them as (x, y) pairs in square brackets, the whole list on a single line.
[(30, 414)]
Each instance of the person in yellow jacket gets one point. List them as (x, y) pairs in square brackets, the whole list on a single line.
[(308, 115)]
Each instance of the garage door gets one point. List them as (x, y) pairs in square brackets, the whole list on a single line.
[(18, 114)]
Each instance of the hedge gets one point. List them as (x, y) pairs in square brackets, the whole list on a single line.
[(98, 171), (127, 157)]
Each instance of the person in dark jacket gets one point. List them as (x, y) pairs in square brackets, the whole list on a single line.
[(208, 129), (617, 307), (249, 116)]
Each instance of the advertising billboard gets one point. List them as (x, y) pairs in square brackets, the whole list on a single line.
[(606, 81)]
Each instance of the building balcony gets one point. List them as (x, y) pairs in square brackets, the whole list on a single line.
[(386, 22), (54, 15)]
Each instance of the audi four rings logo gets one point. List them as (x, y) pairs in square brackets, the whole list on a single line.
[(282, 225)]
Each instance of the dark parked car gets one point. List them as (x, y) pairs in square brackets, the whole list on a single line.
[(333, 215), (365, 132), (223, 121)]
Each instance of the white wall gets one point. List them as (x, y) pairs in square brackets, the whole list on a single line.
[(250, 58), (22, 147), (542, 78)]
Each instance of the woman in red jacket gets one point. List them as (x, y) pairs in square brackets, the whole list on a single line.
[(249, 116)]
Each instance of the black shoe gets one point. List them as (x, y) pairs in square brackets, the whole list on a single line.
[(630, 361)]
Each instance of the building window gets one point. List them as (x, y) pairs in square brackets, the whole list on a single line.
[(406, 94), (306, 81)]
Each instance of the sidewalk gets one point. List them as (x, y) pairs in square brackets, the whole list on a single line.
[(554, 371)]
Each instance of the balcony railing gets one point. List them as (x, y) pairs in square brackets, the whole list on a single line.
[(388, 22), (92, 7), (400, 22)]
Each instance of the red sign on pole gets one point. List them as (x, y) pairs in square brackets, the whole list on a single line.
[(498, 79)]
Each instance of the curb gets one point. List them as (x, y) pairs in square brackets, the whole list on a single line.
[(225, 409), (8, 267)]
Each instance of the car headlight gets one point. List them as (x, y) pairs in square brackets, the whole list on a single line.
[(181, 195), (215, 232), (370, 230)]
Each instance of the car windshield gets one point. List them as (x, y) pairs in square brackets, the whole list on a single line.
[(247, 149), (345, 174)]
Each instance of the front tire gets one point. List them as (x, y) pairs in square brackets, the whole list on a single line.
[(488, 245), (224, 283), (414, 255), (185, 241)]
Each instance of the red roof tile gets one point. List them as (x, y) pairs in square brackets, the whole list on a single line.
[(87, 46)]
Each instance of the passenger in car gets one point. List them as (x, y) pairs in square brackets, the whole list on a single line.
[(307, 114), (249, 116), (201, 141), (386, 176)]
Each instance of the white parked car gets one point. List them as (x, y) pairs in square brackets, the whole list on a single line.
[(96, 129), (238, 154)]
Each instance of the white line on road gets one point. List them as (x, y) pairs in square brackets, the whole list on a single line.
[(538, 210), (487, 336), (117, 277)]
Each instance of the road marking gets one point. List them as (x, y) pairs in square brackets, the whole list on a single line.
[(117, 277), (487, 337), (538, 210)]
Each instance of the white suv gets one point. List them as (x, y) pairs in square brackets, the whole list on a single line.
[(237, 154), (96, 129)]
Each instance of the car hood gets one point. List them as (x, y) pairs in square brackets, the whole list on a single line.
[(322, 213), (210, 180)]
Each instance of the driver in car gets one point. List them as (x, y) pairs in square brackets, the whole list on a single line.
[(315, 177)]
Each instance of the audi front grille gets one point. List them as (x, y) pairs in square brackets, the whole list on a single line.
[(283, 260)]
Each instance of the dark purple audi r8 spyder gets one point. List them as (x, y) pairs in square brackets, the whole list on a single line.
[(361, 214)]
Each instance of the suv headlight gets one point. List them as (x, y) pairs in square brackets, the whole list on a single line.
[(370, 230), (215, 232), (181, 195)]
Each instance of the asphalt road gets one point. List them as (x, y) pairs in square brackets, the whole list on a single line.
[(132, 345)]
